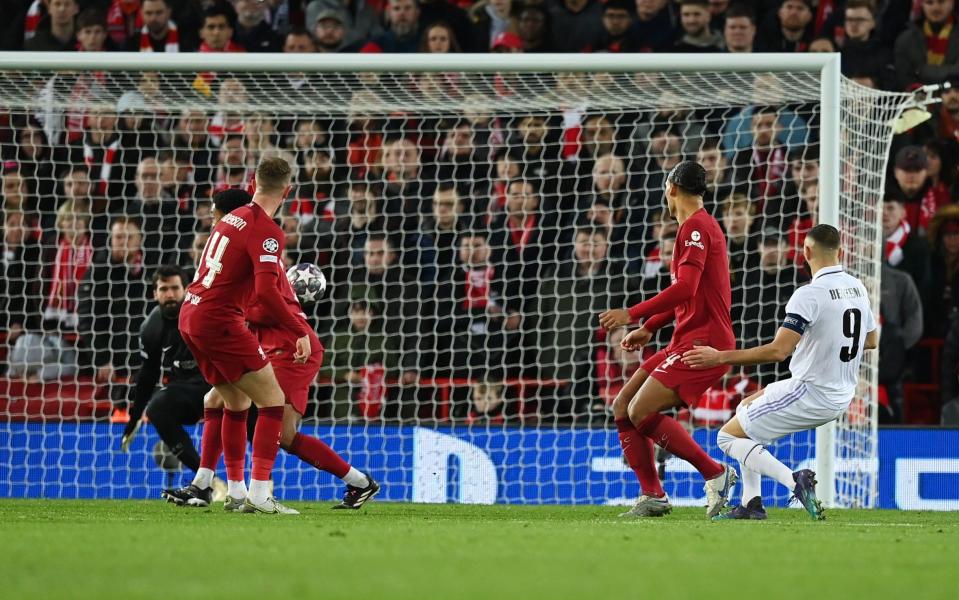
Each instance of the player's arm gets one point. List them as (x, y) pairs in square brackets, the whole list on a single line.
[(146, 379), (265, 252), (778, 350), (268, 295), (872, 340)]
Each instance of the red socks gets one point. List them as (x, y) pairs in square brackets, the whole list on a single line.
[(234, 444), (316, 453), (266, 441), (670, 435), (210, 444), (638, 450)]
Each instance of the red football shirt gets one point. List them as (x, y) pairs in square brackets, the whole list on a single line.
[(244, 243), (704, 318), (267, 327)]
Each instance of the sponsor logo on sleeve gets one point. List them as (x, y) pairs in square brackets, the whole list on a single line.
[(695, 240), (271, 245)]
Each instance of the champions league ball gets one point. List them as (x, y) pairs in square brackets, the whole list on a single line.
[(308, 282)]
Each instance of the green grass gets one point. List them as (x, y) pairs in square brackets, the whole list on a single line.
[(148, 549)]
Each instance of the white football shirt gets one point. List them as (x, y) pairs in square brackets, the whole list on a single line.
[(833, 314)]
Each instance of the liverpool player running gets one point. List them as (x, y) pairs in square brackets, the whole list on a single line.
[(240, 266), (699, 300), (294, 379)]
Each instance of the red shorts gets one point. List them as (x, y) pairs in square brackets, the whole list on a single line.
[(227, 356), (294, 378), (668, 368)]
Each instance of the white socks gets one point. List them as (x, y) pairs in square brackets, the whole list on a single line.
[(355, 478), (751, 454), (259, 491), (236, 489), (752, 484), (203, 478)]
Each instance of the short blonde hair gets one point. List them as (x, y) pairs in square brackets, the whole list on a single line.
[(72, 209), (273, 174)]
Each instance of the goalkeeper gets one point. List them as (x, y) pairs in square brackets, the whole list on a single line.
[(179, 401)]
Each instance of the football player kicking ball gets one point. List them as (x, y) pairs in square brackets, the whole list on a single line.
[(828, 324), (699, 300), (294, 379), (239, 265)]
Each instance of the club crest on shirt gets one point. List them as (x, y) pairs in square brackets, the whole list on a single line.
[(271, 245), (695, 235)]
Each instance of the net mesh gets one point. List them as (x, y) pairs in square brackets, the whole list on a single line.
[(471, 225)]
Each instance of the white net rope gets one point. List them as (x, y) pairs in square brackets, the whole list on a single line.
[(471, 226)]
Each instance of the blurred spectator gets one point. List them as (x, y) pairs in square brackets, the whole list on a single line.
[(123, 16), (943, 295), (253, 32), (718, 186), (862, 51), (16, 195), (570, 295), (697, 36), (739, 31), (403, 33), (234, 164), (738, 214), (67, 253), (575, 24), (361, 19), (405, 185), (807, 219), (614, 367), (902, 324), (764, 164), (91, 27), (35, 162), (912, 186), (462, 160), (654, 29), (737, 129), (329, 31), (358, 360), (21, 261), (906, 249), (534, 28), (433, 11), (507, 43), (299, 40), (191, 138), (159, 32), (940, 173), (617, 21), (439, 38), (822, 44), (928, 50), (55, 32), (219, 25), (491, 18), (789, 29), (113, 301), (362, 219), (159, 215)]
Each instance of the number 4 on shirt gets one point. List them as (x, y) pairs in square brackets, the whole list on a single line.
[(212, 256)]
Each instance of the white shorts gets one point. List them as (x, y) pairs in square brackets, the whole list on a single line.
[(785, 407)]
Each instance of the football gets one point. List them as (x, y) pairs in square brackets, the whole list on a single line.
[(308, 282)]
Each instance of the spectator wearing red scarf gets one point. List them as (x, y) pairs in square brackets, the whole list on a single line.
[(66, 257), (158, 32), (905, 248), (913, 187), (217, 34), (928, 50)]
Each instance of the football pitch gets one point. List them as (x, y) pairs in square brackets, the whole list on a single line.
[(149, 549)]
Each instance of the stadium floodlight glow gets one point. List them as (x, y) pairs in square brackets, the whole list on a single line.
[(361, 103)]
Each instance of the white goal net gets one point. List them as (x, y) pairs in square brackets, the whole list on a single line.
[(472, 226)]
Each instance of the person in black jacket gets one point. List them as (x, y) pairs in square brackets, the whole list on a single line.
[(167, 361)]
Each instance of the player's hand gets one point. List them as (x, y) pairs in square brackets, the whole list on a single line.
[(636, 339), (131, 431), (702, 357), (617, 317), (303, 350)]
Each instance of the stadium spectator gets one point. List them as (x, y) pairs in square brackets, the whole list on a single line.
[(739, 29), (940, 172), (219, 25), (102, 153), (822, 44), (569, 297), (439, 38), (905, 248), (56, 31), (862, 50), (159, 214), (911, 184), (67, 253), (764, 164), (405, 185), (253, 32), (16, 194), (491, 18), (403, 33), (697, 36), (738, 215), (533, 28), (789, 29), (234, 164), (575, 24), (807, 219), (943, 295), (159, 32), (507, 43), (329, 31), (928, 50), (902, 324), (299, 41), (617, 21), (18, 276), (361, 19), (443, 227), (35, 161), (190, 137), (358, 361), (91, 27), (718, 185), (112, 301), (654, 29)]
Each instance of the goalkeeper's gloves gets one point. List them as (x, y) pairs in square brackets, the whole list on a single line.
[(130, 432)]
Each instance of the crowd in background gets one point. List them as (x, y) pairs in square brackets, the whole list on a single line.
[(468, 254)]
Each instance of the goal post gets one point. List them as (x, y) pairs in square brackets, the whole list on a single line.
[(520, 336)]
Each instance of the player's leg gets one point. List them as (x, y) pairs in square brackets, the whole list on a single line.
[(750, 506), (638, 452), (233, 439), (262, 388), (206, 487), (168, 410)]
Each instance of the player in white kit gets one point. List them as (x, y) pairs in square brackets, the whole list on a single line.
[(828, 324)]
